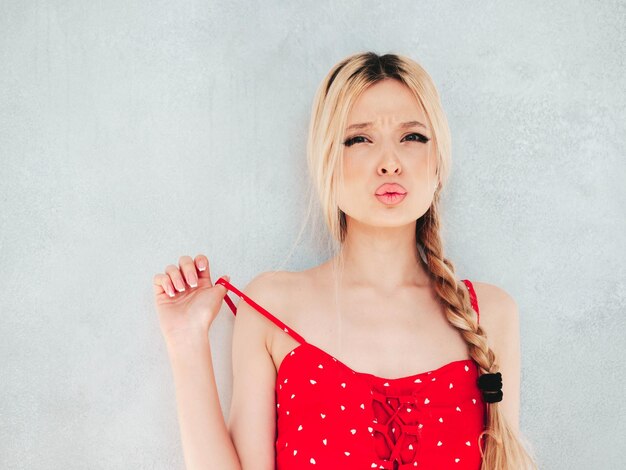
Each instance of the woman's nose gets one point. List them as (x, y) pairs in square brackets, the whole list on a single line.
[(389, 163)]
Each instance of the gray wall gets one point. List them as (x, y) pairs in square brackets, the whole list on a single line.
[(135, 132)]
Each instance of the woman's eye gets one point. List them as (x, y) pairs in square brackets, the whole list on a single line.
[(419, 137), (352, 140)]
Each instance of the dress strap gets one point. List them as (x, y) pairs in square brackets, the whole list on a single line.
[(473, 298), (257, 307)]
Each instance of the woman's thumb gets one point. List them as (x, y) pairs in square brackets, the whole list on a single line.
[(227, 279)]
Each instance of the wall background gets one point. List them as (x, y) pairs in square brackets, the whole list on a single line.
[(132, 133)]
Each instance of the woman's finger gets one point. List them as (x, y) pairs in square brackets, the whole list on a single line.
[(176, 277), (161, 283), (188, 268), (202, 264)]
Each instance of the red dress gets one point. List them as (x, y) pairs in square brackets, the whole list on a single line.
[(332, 417)]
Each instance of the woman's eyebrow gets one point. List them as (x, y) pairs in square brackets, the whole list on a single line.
[(403, 125)]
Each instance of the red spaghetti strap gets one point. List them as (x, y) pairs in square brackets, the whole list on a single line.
[(257, 307), (473, 298)]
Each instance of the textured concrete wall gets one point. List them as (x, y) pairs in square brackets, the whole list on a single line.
[(135, 132)]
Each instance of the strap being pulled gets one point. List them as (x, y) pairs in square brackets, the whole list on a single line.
[(257, 307)]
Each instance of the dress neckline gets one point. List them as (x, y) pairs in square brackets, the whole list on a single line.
[(367, 374)]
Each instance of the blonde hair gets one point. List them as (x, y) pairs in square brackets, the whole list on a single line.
[(504, 448)]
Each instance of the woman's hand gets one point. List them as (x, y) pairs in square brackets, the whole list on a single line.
[(186, 300)]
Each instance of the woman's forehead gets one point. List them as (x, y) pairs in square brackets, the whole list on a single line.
[(386, 103)]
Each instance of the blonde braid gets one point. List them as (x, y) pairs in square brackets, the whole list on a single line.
[(503, 448)]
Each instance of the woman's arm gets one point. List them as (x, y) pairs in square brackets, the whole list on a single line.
[(252, 417), (205, 438), (248, 440), (499, 318)]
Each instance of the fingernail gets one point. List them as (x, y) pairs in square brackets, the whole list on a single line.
[(201, 267)]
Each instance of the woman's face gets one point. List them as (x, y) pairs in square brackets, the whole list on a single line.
[(397, 147)]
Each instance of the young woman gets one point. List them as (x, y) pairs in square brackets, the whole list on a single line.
[(379, 357)]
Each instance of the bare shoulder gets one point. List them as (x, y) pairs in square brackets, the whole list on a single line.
[(494, 300), (267, 285), (499, 313), (272, 288)]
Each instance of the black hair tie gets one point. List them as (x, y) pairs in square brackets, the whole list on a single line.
[(491, 386)]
